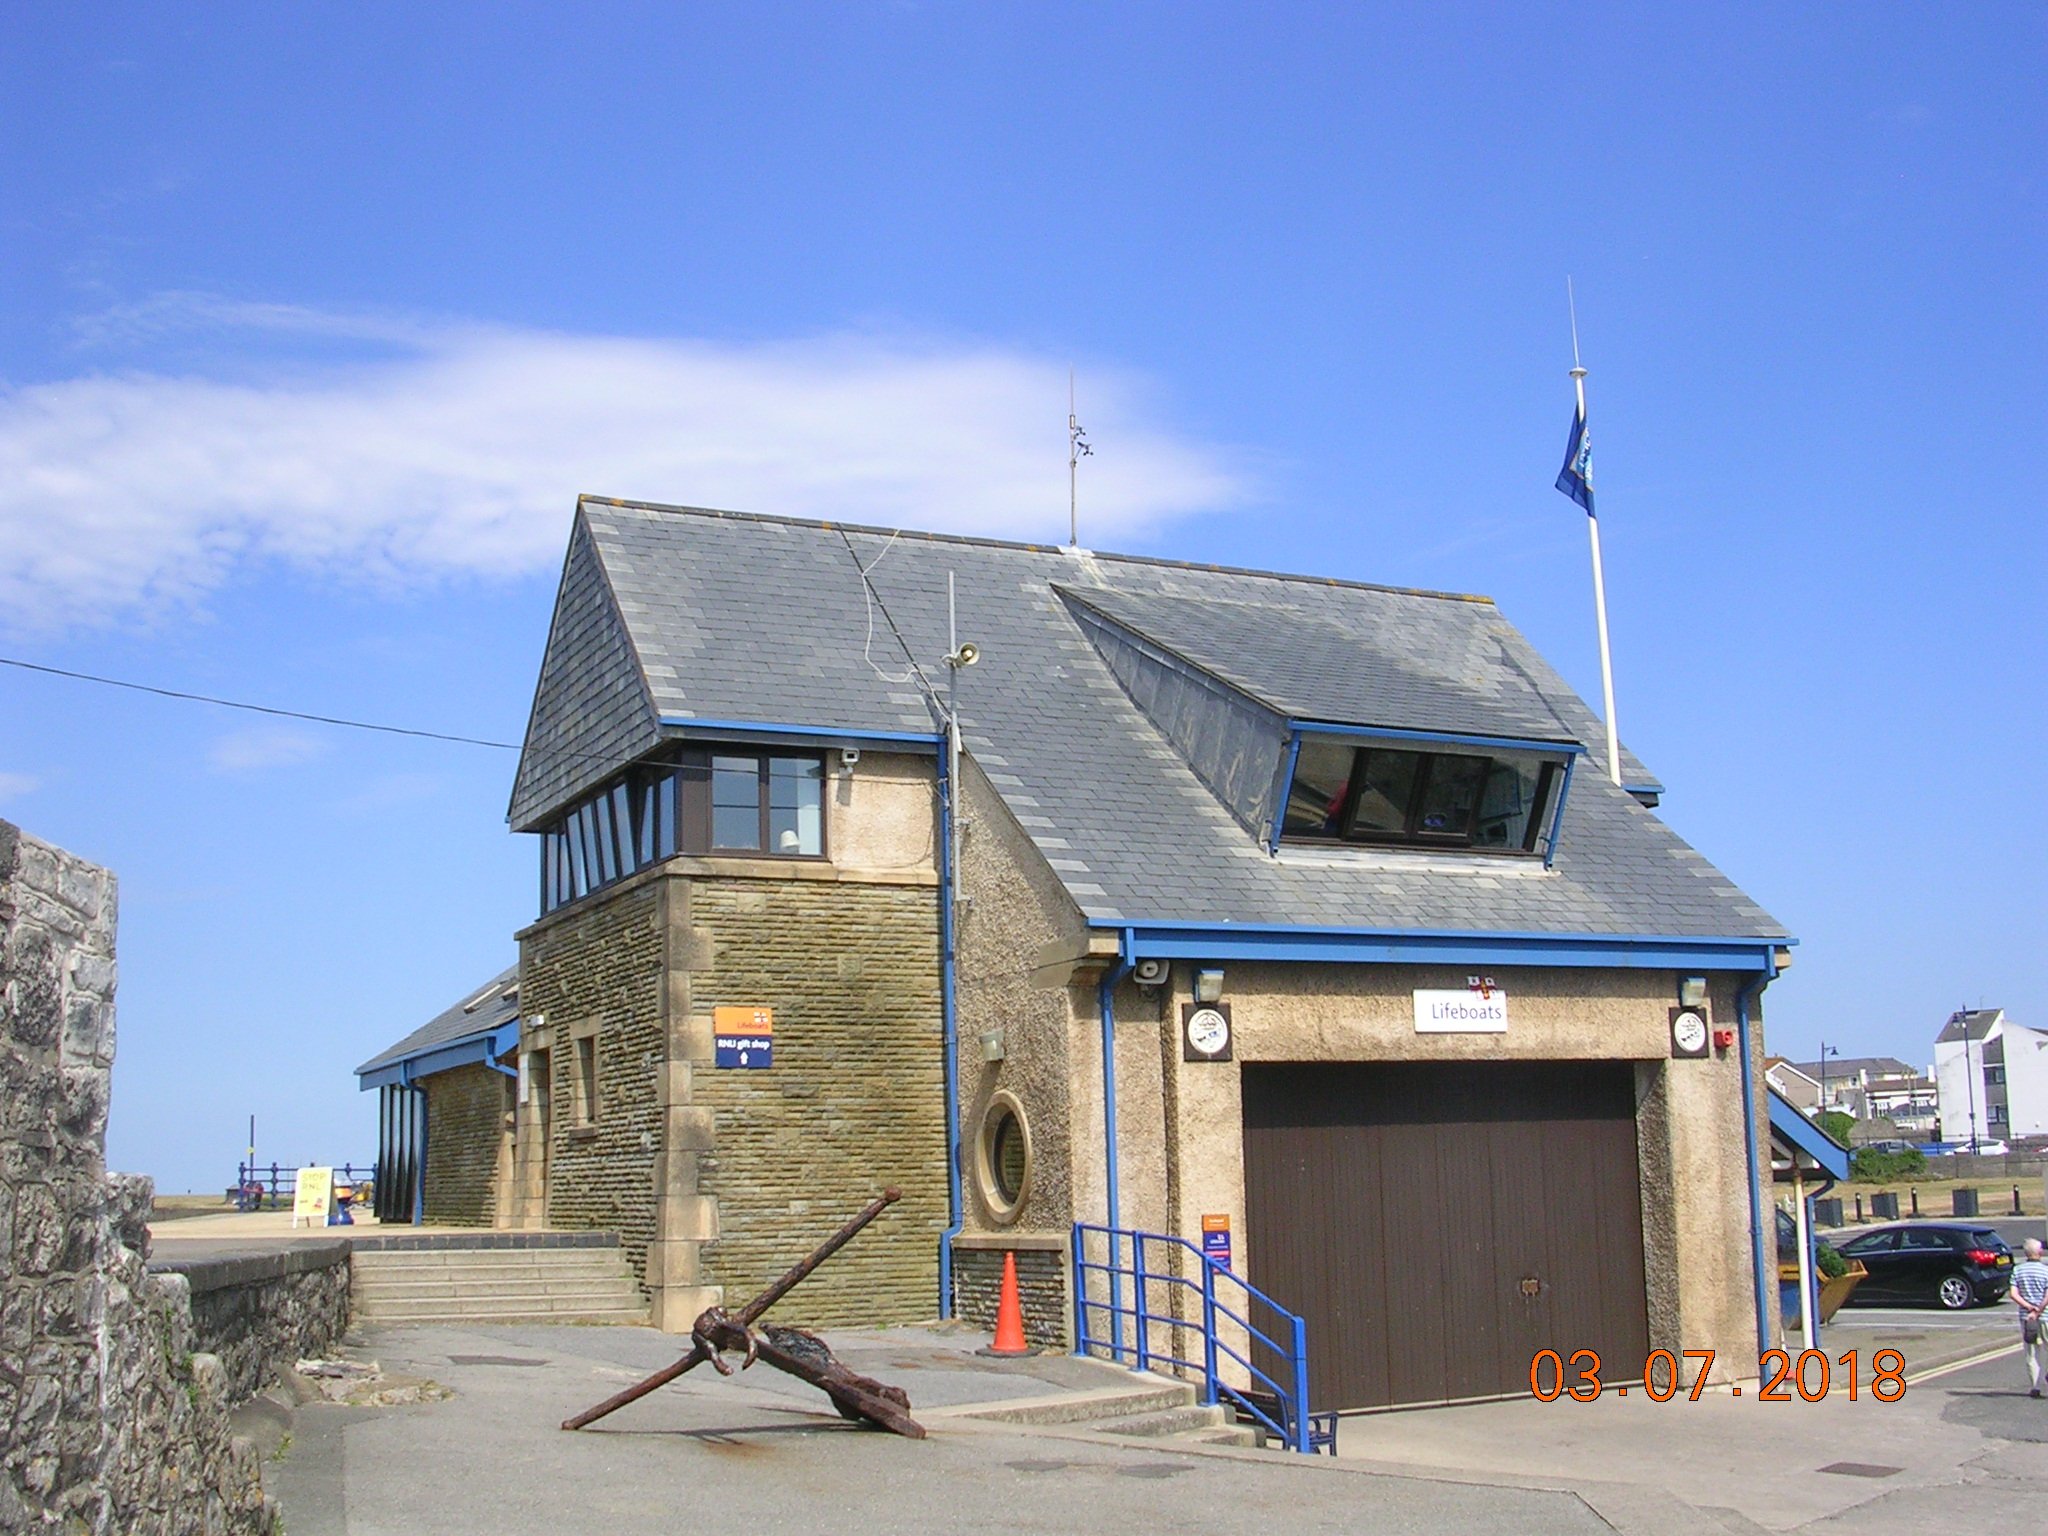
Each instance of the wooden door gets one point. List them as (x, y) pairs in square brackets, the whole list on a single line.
[(1438, 1224)]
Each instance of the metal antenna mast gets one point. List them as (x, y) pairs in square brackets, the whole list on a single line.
[(1078, 448)]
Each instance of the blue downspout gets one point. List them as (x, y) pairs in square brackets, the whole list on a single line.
[(950, 1040), (1106, 999), (1744, 995)]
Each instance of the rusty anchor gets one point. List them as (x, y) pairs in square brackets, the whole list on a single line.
[(805, 1356)]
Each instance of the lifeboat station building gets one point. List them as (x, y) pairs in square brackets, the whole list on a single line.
[(1282, 938)]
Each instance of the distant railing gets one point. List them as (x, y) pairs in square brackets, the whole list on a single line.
[(259, 1188), (1137, 1263)]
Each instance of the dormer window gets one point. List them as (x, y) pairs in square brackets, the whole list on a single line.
[(1352, 792)]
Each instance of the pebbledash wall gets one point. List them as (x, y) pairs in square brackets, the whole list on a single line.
[(113, 1422), (1180, 1124), (718, 1179)]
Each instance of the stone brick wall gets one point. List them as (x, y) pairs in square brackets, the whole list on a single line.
[(465, 1126), (603, 963), (110, 1422), (1041, 1291), (259, 1313), (853, 1103)]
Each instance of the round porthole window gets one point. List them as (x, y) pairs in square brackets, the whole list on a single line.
[(1003, 1157)]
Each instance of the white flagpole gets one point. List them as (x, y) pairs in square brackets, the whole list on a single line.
[(1599, 580)]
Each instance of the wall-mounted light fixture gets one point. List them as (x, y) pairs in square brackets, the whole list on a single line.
[(1208, 986), (1692, 992)]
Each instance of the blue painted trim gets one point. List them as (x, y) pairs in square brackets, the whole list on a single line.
[(1448, 738), (485, 1047), (1397, 946), (1744, 996), (827, 732), (1557, 814), (1802, 1135), (1106, 1003), (1286, 791), (949, 1033)]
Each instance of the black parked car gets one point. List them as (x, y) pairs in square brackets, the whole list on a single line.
[(1957, 1266)]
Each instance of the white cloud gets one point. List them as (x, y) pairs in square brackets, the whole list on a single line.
[(14, 785), (460, 450), (263, 747)]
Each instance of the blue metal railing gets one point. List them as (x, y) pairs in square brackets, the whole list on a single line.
[(257, 1187), (1145, 1260)]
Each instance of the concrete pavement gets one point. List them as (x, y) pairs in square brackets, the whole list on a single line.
[(763, 1453)]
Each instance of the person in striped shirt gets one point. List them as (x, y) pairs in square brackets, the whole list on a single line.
[(2030, 1295)]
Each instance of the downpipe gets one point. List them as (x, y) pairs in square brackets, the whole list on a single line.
[(1106, 1006), (949, 1028), (1744, 996)]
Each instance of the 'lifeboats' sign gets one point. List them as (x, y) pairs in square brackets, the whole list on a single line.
[(1479, 1009), (743, 1037)]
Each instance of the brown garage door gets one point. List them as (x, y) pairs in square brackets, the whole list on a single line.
[(1404, 1209)]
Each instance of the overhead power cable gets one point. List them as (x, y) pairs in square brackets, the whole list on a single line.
[(259, 709)]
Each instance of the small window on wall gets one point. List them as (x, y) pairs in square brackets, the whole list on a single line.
[(1344, 792), (1002, 1161), (755, 802), (583, 1090)]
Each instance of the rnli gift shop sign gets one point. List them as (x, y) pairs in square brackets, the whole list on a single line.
[(1479, 1009)]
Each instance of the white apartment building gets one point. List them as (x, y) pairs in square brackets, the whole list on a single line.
[(1991, 1077)]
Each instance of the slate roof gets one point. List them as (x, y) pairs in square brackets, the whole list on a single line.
[(479, 1012), (1969, 1023), (1841, 1069), (736, 617)]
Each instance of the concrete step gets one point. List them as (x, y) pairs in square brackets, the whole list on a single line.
[(1163, 1422), (604, 1306), (434, 1260), (593, 1317), (1157, 1396), (480, 1266), (367, 1290)]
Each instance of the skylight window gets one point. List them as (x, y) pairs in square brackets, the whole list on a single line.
[(1349, 792)]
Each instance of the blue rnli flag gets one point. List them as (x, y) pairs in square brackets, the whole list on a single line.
[(1576, 478)]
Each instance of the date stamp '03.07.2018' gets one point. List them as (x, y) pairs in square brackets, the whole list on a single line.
[(1780, 1378)]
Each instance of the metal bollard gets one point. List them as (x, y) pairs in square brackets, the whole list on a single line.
[(1913, 1195), (2015, 1199), (1859, 1210)]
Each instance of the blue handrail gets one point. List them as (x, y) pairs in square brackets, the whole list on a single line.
[(1281, 1407), (255, 1185)]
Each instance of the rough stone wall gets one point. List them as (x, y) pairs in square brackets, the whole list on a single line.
[(260, 1313), (854, 1101), (602, 964), (465, 1128), (1041, 1290), (112, 1423)]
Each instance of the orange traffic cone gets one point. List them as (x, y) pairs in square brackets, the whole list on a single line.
[(1009, 1341)]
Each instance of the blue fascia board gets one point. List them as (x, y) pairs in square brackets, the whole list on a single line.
[(1793, 1129), (759, 728), (1374, 946), (1446, 738), (486, 1046)]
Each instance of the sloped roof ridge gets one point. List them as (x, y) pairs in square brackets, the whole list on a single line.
[(984, 542)]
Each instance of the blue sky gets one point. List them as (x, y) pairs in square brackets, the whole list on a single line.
[(319, 317)]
